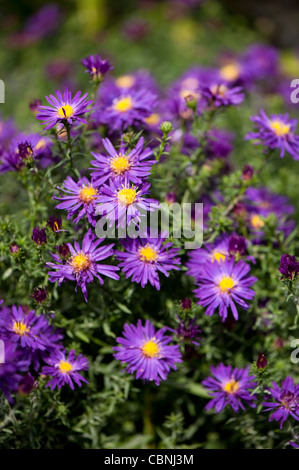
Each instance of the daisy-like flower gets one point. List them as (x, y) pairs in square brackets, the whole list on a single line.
[(147, 352), (286, 401), (276, 132), (218, 251), (11, 370), (78, 199), (144, 258), (64, 109), (83, 264), (124, 203), (26, 329), (125, 108), (134, 165), (222, 285), (219, 95), (65, 369), (230, 386), (96, 67)]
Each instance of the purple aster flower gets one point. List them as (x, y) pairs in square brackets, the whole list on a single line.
[(44, 22), (26, 329), (63, 251), (134, 165), (27, 148), (147, 352), (55, 223), (219, 95), (27, 384), (96, 67), (83, 265), (237, 245), (276, 132), (218, 251), (286, 401), (78, 199), (39, 236), (289, 267), (222, 285), (125, 108), (262, 62), (40, 295), (64, 109), (65, 369), (230, 386), (124, 203), (188, 331), (11, 370), (139, 80), (187, 87), (144, 258), (7, 131), (260, 202)]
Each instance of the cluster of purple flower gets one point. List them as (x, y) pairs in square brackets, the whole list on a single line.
[(29, 341)]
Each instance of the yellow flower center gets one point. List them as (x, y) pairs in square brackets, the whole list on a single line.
[(230, 72), (125, 81), (126, 196), (68, 111), (80, 262), (150, 349), (279, 128), (218, 256), (226, 284), (87, 194), (41, 144), (120, 164), (219, 90), (65, 367), (256, 221), (153, 119), (123, 104), (231, 387), (148, 254), (20, 328)]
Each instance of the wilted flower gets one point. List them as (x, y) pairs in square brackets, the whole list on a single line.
[(289, 267), (39, 236), (55, 223), (40, 295)]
